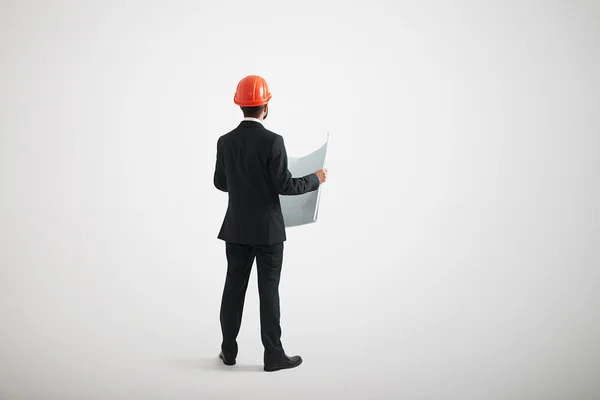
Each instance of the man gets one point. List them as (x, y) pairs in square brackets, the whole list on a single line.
[(252, 167)]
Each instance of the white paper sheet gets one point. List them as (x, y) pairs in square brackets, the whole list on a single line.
[(303, 209)]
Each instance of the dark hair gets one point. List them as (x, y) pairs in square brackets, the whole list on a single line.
[(253, 112)]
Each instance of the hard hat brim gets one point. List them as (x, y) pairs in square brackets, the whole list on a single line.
[(256, 103)]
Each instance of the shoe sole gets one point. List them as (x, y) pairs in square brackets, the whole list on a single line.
[(273, 369), (229, 363)]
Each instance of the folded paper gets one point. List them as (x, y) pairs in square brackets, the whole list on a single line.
[(303, 209)]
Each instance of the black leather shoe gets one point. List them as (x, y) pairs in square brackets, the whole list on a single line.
[(226, 361), (286, 363)]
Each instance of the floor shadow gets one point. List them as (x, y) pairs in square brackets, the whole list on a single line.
[(212, 363)]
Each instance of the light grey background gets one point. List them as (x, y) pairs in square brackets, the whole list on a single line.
[(456, 254)]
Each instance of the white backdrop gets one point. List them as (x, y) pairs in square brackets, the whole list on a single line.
[(456, 253)]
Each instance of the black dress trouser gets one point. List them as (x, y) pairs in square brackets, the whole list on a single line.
[(240, 258)]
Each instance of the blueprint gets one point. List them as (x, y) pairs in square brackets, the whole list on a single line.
[(303, 209)]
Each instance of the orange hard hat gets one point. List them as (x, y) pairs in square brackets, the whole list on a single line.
[(252, 91)]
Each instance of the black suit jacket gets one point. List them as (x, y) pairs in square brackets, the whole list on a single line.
[(252, 167)]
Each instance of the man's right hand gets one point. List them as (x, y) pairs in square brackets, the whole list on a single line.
[(322, 175)]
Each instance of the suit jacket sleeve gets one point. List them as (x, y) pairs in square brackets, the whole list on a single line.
[(282, 177), (219, 180)]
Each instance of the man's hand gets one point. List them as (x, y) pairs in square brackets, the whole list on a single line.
[(322, 175)]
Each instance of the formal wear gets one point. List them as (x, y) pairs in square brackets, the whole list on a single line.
[(252, 167)]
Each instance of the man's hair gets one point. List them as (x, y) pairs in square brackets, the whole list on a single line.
[(253, 112)]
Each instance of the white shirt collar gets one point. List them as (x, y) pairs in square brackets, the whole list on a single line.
[(253, 119)]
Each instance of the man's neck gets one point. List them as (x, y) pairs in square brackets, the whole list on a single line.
[(253, 119)]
